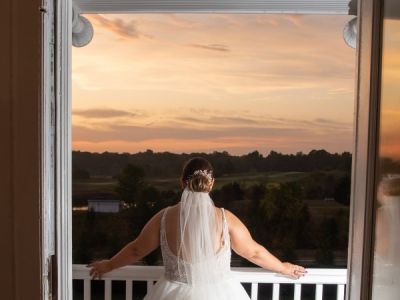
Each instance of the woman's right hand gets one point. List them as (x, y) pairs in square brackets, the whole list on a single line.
[(98, 268), (293, 271)]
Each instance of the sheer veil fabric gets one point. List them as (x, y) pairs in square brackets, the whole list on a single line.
[(392, 213), (198, 235), (201, 267), (387, 265)]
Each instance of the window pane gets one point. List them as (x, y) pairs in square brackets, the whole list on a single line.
[(386, 273), (268, 99)]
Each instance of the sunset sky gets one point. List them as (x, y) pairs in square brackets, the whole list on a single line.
[(390, 111), (206, 82)]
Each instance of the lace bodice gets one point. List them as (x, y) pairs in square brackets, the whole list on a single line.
[(170, 259)]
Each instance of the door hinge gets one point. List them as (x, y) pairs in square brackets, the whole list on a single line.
[(43, 9)]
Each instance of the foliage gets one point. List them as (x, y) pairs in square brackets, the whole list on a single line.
[(273, 205), (342, 190), (319, 185), (326, 239), (166, 164), (284, 205), (97, 235), (79, 174), (130, 184), (227, 194), (389, 165)]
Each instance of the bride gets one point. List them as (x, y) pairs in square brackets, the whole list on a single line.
[(386, 269), (196, 240)]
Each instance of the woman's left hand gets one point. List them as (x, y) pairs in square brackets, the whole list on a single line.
[(293, 271), (98, 268)]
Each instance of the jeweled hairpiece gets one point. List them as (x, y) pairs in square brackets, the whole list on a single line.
[(205, 173)]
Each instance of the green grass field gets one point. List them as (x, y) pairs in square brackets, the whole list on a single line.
[(106, 184)]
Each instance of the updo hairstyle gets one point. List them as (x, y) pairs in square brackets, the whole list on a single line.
[(197, 175), (390, 186)]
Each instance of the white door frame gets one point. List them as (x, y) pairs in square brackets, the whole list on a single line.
[(366, 101), (63, 149)]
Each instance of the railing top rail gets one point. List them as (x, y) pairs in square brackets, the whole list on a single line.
[(254, 275)]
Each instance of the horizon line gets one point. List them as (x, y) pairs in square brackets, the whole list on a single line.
[(211, 153)]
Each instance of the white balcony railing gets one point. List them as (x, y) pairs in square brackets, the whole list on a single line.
[(254, 276)]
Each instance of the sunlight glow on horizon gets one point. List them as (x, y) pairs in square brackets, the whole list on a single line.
[(390, 99)]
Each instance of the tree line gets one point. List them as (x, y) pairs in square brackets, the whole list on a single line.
[(166, 164)]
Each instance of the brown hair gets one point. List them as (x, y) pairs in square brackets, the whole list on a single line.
[(390, 186), (197, 181)]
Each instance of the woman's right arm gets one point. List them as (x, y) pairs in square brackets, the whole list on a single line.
[(244, 245), (147, 241)]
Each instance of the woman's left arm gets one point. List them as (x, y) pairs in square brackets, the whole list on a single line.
[(147, 241), (244, 245)]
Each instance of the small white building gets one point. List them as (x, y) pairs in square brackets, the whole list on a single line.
[(104, 206)]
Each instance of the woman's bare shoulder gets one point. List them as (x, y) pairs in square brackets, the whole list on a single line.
[(230, 215), (173, 211), (172, 208), (232, 219), (157, 216), (175, 206)]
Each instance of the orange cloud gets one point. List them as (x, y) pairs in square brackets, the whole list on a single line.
[(124, 29), (212, 47), (101, 113)]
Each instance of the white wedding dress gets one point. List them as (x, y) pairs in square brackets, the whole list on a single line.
[(173, 286), (386, 271)]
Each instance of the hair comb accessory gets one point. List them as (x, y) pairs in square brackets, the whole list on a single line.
[(204, 173)]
